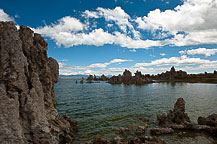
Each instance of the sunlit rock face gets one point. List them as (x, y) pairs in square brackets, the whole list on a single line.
[(27, 99)]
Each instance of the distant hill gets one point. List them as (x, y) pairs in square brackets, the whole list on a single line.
[(84, 76)]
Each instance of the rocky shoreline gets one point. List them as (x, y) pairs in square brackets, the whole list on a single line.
[(27, 107), (175, 120)]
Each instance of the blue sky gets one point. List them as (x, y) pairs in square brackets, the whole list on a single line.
[(108, 36)]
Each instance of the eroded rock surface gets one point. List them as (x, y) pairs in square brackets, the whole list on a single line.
[(210, 124), (27, 99), (176, 116), (209, 121)]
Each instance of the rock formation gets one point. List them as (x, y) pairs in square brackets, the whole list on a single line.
[(209, 121), (127, 78), (175, 116), (172, 75), (177, 119), (27, 78), (94, 78)]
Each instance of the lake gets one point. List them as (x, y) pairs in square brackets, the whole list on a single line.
[(102, 108)]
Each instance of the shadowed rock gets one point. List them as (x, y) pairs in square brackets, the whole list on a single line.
[(209, 124), (27, 78), (128, 79), (209, 121)]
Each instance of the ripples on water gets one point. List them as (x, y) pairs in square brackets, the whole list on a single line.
[(100, 108)]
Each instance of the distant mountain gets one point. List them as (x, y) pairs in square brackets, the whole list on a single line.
[(84, 76)]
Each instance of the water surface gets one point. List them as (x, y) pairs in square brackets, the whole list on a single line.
[(101, 108)]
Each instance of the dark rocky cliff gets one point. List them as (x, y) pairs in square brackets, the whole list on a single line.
[(27, 99)]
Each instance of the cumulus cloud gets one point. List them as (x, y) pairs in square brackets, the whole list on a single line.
[(116, 15), (65, 32), (103, 65), (67, 69), (175, 61), (192, 23), (183, 63), (200, 51), (4, 16), (65, 24), (90, 14), (197, 21)]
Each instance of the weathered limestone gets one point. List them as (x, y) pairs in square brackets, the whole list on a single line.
[(27, 99)]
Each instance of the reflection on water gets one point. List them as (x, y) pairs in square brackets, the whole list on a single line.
[(101, 107)]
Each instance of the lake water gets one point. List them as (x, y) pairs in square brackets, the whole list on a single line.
[(101, 108)]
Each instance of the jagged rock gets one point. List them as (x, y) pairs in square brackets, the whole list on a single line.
[(128, 79), (90, 78), (175, 116), (209, 121), (209, 124), (27, 78)]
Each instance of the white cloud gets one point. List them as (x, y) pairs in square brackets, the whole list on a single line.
[(117, 15), (162, 54), (65, 32), (67, 69), (133, 50), (65, 24), (97, 37), (126, 41), (103, 65), (90, 14), (175, 61), (62, 64), (192, 23), (4, 16), (200, 51), (197, 19), (192, 19), (191, 65)]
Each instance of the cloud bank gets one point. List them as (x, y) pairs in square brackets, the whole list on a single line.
[(200, 51), (4, 16)]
